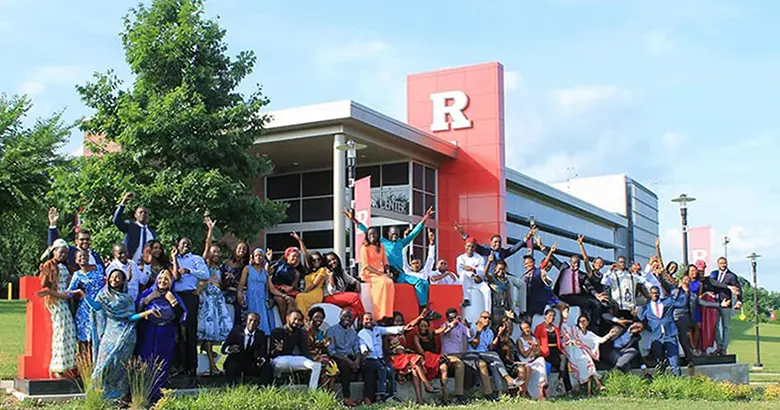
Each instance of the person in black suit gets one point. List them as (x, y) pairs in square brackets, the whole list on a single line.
[(725, 276), (137, 232), (247, 351)]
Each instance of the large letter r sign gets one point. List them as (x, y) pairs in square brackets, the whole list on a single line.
[(458, 102)]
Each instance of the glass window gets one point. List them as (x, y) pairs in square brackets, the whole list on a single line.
[(419, 240), (293, 211), (320, 209), (318, 183), (373, 172), (418, 203), (430, 201), (417, 176), (430, 180), (395, 174), (319, 239), (278, 242), (283, 186), (418, 253)]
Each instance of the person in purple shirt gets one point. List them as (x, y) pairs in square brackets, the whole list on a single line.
[(455, 335)]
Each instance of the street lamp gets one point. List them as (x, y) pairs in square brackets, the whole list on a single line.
[(351, 147), (726, 242), (753, 257), (683, 200)]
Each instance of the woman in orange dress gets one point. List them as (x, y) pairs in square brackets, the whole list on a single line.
[(375, 272)]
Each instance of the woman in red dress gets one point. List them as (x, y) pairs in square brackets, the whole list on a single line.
[(405, 361)]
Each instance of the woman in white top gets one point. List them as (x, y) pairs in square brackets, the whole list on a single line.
[(582, 348), (531, 355)]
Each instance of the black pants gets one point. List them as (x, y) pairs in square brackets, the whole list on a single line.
[(188, 345), (345, 376), (683, 326), (238, 371), (371, 369), (589, 306), (559, 361)]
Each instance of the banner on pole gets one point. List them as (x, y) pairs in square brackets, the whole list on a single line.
[(700, 245), (362, 212)]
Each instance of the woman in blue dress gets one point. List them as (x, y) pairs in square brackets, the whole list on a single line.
[(257, 282), (214, 319), (113, 344), (157, 336), (90, 280)]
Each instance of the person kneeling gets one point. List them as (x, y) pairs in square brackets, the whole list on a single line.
[(246, 349), (286, 342)]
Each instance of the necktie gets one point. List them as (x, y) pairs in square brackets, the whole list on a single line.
[(249, 342), (575, 282)]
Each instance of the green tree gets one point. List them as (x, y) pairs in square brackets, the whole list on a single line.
[(28, 157), (185, 135)]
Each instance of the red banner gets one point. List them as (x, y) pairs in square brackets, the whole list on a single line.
[(699, 245), (362, 208)]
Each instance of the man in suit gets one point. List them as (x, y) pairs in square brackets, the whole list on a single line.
[(83, 241), (658, 318), (137, 232), (726, 277), (247, 353)]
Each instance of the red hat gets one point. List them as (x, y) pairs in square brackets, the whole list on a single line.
[(701, 265), (471, 240)]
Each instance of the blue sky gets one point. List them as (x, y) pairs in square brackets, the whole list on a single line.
[(680, 95)]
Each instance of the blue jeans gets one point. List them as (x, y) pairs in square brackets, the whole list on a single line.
[(386, 385)]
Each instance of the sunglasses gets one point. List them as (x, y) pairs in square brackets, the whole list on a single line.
[(484, 317)]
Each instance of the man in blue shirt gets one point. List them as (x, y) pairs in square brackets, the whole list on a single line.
[(189, 269), (481, 348)]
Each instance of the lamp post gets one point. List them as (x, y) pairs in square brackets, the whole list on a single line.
[(753, 257), (683, 200), (351, 147), (726, 242)]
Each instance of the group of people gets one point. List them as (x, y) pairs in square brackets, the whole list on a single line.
[(160, 305)]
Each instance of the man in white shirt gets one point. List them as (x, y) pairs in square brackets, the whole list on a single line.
[(373, 358), (417, 275), (443, 276), (471, 270), (623, 287), (135, 277)]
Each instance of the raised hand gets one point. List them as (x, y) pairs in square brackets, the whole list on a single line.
[(209, 222), (295, 236), (269, 254), (407, 231), (431, 237), (554, 247), (175, 252), (348, 213), (580, 239), (53, 216), (429, 213), (458, 227), (127, 197), (657, 242), (539, 243)]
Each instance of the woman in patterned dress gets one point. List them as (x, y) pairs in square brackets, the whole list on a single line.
[(536, 367), (90, 281), (54, 281), (230, 273), (318, 347), (582, 348), (214, 319), (405, 362), (113, 345)]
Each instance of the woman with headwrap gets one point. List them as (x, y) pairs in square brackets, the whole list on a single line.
[(113, 344), (285, 276), (55, 277), (254, 288), (157, 336)]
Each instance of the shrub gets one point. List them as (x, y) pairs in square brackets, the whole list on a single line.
[(676, 388), (772, 392), (251, 397), (92, 388)]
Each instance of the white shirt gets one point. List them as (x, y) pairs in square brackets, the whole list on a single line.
[(135, 277), (652, 280), (247, 334), (475, 261), (371, 340), (447, 280), (425, 272), (622, 285), (139, 251)]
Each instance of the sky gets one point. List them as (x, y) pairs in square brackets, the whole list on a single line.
[(679, 95)]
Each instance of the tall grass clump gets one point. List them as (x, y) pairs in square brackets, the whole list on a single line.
[(252, 397), (667, 387), (142, 377), (92, 388)]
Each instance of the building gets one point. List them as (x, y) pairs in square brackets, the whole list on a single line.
[(624, 196), (449, 155)]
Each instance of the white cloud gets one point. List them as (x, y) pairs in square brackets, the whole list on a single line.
[(78, 152), (31, 88), (511, 80), (41, 78), (672, 140), (582, 98)]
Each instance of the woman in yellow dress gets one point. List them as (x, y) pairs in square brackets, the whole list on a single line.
[(314, 281)]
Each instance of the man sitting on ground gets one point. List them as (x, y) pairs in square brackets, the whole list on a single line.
[(371, 349), (344, 348)]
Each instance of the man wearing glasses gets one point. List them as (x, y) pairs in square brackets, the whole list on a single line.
[(83, 242), (482, 346)]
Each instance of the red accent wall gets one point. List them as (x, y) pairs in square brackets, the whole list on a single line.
[(472, 189)]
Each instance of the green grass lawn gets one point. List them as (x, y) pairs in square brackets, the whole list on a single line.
[(12, 339), (743, 344)]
